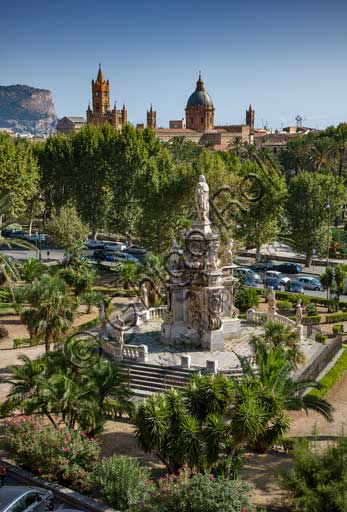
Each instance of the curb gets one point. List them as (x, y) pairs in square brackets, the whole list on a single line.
[(66, 495)]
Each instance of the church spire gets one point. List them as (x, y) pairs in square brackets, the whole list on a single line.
[(200, 84), (100, 77)]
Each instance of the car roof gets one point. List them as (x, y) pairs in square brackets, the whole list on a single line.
[(8, 493)]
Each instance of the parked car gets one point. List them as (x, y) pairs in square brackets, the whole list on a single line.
[(272, 282), (289, 268), (99, 254), (263, 265), (135, 249), (310, 283), (94, 244), (120, 256), (294, 287), (248, 280), (114, 246), (277, 275), (35, 237), (19, 498), (17, 233), (245, 271)]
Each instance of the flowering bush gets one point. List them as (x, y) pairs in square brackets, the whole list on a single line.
[(63, 455), (197, 493), (122, 482)]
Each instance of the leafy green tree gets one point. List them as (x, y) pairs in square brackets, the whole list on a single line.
[(51, 309), (66, 229), (260, 219), (327, 280), (314, 200), (19, 175)]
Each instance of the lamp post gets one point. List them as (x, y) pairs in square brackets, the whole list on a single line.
[(328, 238)]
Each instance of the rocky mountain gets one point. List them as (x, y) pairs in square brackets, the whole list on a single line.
[(27, 109)]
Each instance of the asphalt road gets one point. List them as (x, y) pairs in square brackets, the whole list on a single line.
[(58, 254), (58, 504)]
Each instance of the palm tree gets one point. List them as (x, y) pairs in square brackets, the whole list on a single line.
[(340, 145), (236, 146), (321, 152), (263, 396), (51, 309), (31, 269), (277, 334)]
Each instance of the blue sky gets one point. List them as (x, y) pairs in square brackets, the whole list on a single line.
[(284, 57)]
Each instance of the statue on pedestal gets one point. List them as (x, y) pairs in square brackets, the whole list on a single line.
[(144, 295), (271, 299), (202, 199), (298, 313)]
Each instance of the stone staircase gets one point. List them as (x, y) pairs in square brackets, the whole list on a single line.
[(147, 379)]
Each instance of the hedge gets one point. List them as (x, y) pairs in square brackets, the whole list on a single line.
[(335, 317), (293, 297), (332, 376)]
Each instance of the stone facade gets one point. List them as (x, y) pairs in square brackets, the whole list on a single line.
[(200, 109), (101, 113), (69, 125)]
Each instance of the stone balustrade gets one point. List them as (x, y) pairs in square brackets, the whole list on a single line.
[(261, 317), (150, 314), (135, 352)]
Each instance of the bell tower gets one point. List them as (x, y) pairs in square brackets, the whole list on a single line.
[(151, 118), (250, 115), (101, 94)]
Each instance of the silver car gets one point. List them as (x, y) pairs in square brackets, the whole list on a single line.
[(310, 283), (16, 498)]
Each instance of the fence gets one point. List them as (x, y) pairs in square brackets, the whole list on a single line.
[(150, 314)]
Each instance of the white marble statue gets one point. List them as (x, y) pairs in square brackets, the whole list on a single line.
[(202, 199), (298, 313), (144, 295), (271, 300)]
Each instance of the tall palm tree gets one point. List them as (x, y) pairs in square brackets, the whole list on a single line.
[(340, 145), (321, 154), (51, 309), (236, 146)]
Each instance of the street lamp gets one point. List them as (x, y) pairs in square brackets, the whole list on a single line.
[(328, 238)]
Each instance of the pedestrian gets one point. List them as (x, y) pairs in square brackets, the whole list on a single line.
[(48, 254)]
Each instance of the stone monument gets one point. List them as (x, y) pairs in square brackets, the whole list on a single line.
[(201, 309)]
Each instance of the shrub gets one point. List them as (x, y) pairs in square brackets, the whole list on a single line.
[(65, 455), (203, 492), (246, 298), (311, 309), (318, 478), (337, 329), (336, 317), (284, 305), (3, 332), (328, 381), (121, 482), (321, 338), (316, 319), (293, 297)]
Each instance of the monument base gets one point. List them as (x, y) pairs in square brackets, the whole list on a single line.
[(213, 340), (232, 327)]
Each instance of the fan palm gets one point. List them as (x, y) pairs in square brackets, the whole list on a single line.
[(263, 396), (321, 152), (51, 309)]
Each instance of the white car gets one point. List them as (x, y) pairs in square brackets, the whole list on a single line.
[(114, 246), (274, 274), (94, 244)]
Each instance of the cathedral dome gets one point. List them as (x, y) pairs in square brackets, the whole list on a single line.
[(199, 98)]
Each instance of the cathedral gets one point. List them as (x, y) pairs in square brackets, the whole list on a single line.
[(197, 126), (101, 113)]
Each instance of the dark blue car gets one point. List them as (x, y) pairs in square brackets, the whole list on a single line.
[(289, 268)]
